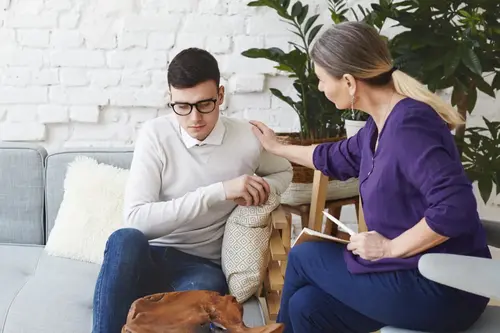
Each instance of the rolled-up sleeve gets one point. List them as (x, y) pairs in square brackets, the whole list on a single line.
[(428, 158), (340, 159)]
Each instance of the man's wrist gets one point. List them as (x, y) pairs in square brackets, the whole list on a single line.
[(216, 193)]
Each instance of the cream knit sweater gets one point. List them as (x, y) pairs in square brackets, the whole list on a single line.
[(175, 194)]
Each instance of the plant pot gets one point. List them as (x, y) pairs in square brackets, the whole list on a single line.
[(353, 126), (302, 174), (300, 191)]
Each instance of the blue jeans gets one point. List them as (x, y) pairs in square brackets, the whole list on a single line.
[(320, 295), (133, 269)]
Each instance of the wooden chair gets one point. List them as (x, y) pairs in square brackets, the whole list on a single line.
[(280, 242), (334, 207), (308, 212), (319, 203)]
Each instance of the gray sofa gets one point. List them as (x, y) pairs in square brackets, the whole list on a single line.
[(40, 293)]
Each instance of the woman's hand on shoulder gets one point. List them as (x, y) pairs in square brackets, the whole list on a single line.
[(370, 246), (266, 136)]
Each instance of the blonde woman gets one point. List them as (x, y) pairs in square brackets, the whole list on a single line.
[(415, 194)]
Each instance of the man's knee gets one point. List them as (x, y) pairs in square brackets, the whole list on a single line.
[(126, 242), (212, 279)]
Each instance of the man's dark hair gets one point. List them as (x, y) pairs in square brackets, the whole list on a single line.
[(191, 67)]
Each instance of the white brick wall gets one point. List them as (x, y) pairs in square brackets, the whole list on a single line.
[(66, 66), (88, 73)]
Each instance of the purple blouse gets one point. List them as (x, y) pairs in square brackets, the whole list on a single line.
[(415, 172)]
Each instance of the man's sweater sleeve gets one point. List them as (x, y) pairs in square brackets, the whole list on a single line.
[(276, 170), (143, 209)]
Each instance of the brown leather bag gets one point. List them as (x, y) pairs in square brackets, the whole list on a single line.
[(189, 312)]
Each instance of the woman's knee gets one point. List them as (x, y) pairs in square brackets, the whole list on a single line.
[(304, 253), (126, 242), (301, 302)]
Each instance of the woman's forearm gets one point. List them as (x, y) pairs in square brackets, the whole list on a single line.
[(415, 240), (302, 155)]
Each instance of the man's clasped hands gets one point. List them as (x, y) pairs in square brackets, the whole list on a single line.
[(249, 190)]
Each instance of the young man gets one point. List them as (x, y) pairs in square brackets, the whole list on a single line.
[(189, 171)]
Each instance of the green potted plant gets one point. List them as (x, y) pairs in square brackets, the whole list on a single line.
[(320, 120), (481, 157), (447, 44)]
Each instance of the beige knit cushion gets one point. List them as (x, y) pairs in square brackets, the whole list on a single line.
[(245, 248)]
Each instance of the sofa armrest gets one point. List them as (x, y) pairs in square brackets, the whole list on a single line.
[(492, 232), (475, 275)]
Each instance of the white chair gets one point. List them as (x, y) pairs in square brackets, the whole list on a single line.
[(476, 275)]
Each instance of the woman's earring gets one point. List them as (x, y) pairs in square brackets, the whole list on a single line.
[(352, 102)]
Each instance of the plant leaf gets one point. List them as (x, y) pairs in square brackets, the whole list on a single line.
[(303, 13), (484, 86), (285, 4), (497, 181), (452, 60), (272, 53), (313, 33), (256, 4), (485, 185), (496, 81), (310, 22), (470, 59), (284, 98), (296, 9), (471, 99)]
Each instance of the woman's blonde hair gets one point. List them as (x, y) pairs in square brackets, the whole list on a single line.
[(356, 48)]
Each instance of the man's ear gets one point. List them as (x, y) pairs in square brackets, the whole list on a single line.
[(168, 94), (221, 95)]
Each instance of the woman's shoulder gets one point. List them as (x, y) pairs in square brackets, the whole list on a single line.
[(410, 114)]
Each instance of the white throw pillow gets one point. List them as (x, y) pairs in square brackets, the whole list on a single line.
[(91, 210), (245, 248)]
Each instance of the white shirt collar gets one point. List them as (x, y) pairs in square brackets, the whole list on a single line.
[(214, 138)]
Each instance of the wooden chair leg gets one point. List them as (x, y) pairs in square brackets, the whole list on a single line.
[(304, 218), (318, 200), (356, 205), (330, 227)]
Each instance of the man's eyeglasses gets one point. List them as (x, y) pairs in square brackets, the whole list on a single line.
[(204, 106)]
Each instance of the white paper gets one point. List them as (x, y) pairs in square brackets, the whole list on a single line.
[(340, 224)]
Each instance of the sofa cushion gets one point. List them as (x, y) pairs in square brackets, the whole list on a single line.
[(56, 171), (46, 294), (91, 210), (21, 193)]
